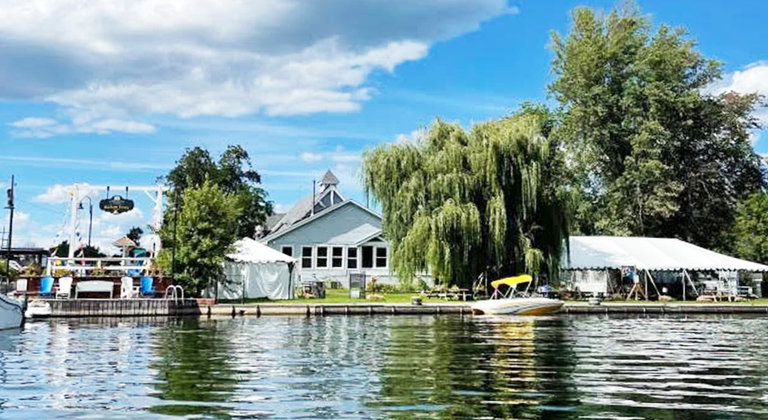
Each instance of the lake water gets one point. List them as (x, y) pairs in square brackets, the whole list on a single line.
[(388, 367)]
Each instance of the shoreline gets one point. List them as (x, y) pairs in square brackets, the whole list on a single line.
[(105, 308)]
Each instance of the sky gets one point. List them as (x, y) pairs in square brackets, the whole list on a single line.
[(113, 92)]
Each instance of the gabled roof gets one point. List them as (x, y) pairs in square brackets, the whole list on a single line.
[(329, 179), (301, 210), (316, 216), (655, 254)]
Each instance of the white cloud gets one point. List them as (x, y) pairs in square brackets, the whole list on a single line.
[(414, 136), (123, 58), (47, 127), (752, 79), (338, 156), (311, 157)]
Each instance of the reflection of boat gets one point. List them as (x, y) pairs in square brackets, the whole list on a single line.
[(11, 313), (515, 302)]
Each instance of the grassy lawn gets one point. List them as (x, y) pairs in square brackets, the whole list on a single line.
[(342, 296)]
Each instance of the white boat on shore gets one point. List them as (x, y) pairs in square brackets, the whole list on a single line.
[(515, 302), (11, 313)]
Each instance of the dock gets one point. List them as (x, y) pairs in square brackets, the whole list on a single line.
[(84, 308)]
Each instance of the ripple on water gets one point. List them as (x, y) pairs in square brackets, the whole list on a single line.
[(388, 367)]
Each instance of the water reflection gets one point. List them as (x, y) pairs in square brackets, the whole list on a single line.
[(388, 367)]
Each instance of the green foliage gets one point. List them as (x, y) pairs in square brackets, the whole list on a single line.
[(134, 234), (651, 152), (751, 228), (204, 235), (233, 174), (461, 202)]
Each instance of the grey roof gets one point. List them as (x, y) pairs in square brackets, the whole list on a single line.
[(329, 179), (273, 220)]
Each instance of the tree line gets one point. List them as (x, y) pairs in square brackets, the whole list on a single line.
[(638, 144)]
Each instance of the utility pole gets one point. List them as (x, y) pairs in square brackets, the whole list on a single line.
[(10, 234)]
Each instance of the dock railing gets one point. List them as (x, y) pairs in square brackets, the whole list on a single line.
[(84, 265)]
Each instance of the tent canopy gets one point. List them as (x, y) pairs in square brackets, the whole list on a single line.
[(252, 251), (654, 254)]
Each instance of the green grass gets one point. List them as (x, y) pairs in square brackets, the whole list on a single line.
[(342, 296)]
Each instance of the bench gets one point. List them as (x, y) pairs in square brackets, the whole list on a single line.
[(94, 286)]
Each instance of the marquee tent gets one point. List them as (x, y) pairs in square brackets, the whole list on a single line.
[(255, 270), (592, 260), (654, 254)]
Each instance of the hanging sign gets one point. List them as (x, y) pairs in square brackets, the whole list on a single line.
[(116, 204)]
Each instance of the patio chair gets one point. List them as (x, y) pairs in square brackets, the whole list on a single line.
[(21, 286), (46, 286), (127, 290), (147, 286), (64, 289)]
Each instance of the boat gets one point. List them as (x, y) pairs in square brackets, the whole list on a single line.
[(513, 301), (11, 313)]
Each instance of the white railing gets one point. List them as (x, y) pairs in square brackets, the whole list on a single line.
[(84, 265)]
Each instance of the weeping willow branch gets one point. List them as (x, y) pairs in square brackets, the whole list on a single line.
[(462, 202)]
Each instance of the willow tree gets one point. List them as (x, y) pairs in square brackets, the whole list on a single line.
[(459, 203)]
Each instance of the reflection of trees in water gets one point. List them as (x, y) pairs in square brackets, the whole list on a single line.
[(450, 367), (194, 365)]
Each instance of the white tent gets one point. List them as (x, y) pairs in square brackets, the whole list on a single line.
[(654, 254), (594, 260), (255, 270)]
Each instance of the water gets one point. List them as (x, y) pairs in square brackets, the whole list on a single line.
[(388, 367)]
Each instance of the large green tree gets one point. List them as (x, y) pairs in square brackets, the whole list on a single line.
[(750, 232), (464, 202), (232, 173), (202, 237), (651, 151)]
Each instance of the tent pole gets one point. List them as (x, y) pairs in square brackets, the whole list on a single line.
[(653, 283), (693, 286), (684, 285)]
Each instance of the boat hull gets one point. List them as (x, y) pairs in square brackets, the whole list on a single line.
[(11, 313), (518, 306)]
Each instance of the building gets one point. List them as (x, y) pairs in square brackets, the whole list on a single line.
[(331, 237)]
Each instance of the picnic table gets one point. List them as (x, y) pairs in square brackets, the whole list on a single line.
[(462, 294)]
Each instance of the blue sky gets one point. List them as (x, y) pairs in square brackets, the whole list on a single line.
[(112, 93)]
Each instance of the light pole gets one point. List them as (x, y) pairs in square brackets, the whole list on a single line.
[(10, 233), (90, 216)]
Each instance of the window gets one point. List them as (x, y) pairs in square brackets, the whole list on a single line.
[(287, 250), (306, 257), (381, 257), (351, 257), (337, 257), (322, 257), (367, 257)]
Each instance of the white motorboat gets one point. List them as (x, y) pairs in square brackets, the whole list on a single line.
[(11, 313), (515, 302)]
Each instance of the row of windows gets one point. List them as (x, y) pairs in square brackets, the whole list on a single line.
[(333, 256)]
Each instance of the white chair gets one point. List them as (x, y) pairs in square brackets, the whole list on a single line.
[(127, 291), (64, 289), (21, 286)]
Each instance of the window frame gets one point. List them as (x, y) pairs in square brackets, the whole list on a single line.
[(355, 258), (334, 258), (318, 257), (310, 257), (376, 257), (283, 247)]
